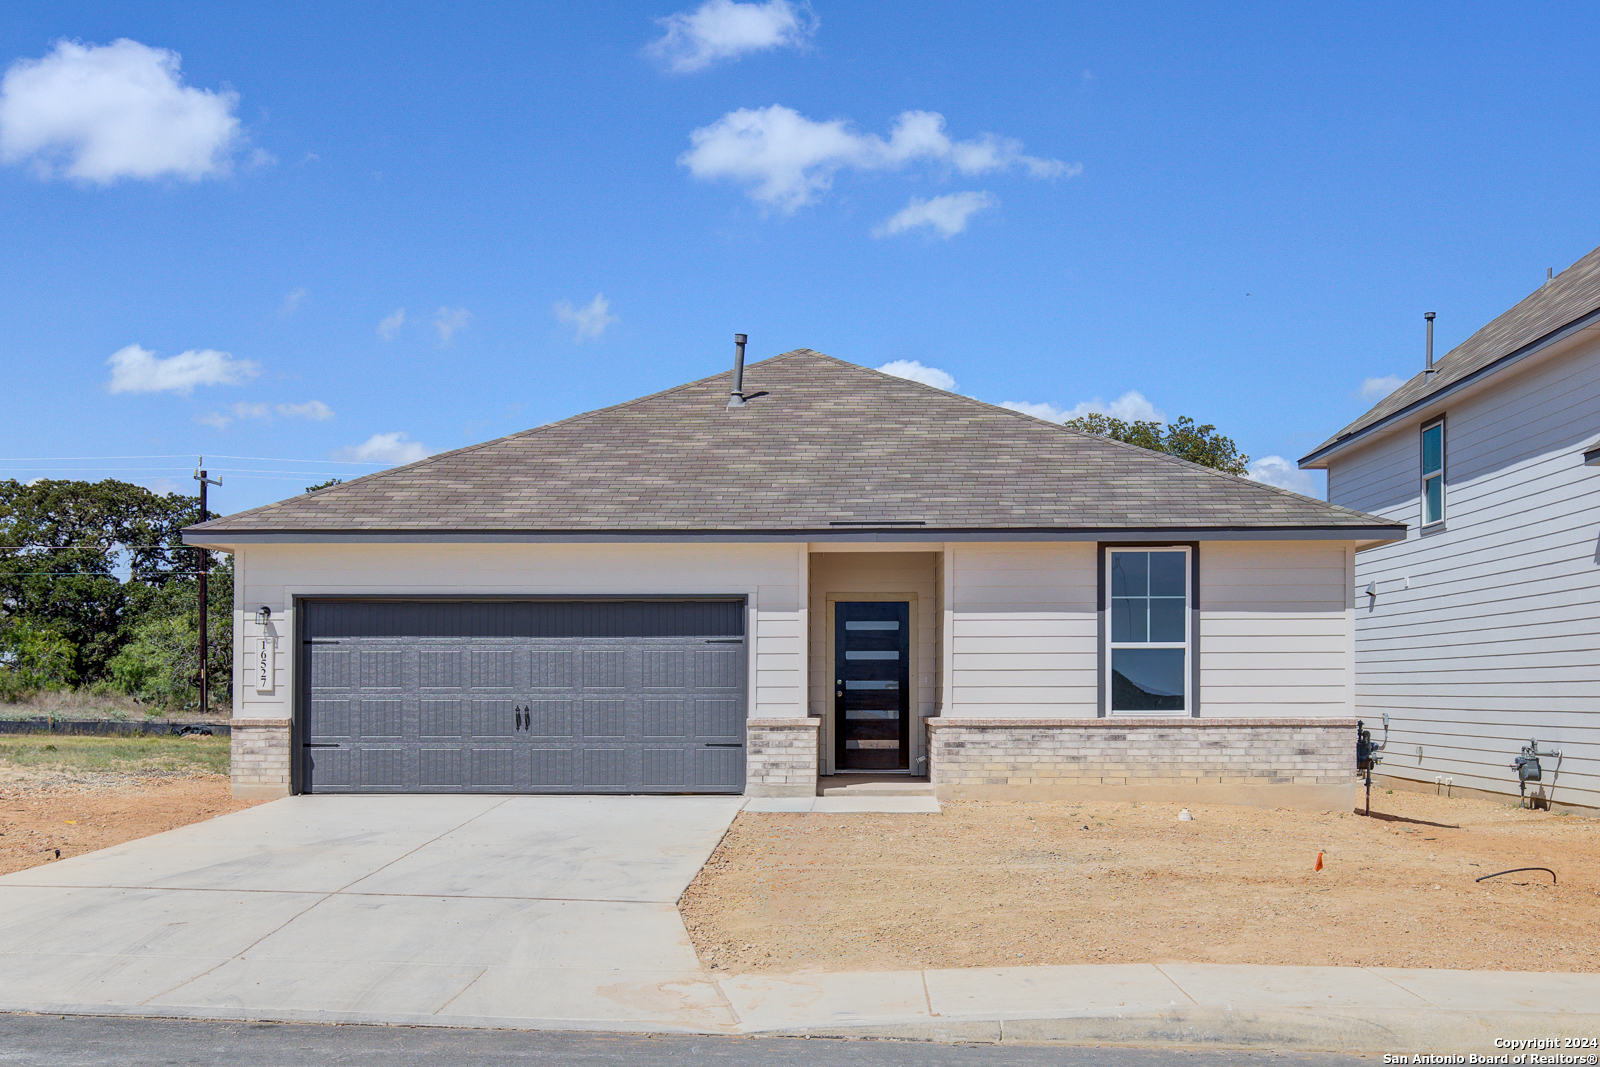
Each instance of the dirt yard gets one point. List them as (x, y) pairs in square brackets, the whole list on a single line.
[(1007, 884), (78, 794)]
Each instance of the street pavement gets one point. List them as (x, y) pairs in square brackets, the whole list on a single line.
[(87, 1041)]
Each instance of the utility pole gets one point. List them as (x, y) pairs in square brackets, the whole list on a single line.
[(205, 567)]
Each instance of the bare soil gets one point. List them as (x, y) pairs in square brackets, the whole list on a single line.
[(1011, 884), (42, 811)]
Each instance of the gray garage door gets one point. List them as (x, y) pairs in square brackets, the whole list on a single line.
[(523, 696)]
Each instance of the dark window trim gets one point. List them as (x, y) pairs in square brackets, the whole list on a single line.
[(1101, 595)]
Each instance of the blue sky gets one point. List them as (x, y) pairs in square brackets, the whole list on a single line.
[(1237, 212)]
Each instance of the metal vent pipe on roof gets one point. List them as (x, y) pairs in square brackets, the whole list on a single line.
[(736, 396), (1429, 317)]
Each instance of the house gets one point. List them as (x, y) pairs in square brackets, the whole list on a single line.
[(845, 573), (1479, 632)]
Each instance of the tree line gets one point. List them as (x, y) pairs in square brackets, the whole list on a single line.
[(98, 592)]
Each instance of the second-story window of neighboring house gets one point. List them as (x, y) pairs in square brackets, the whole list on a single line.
[(1433, 472)]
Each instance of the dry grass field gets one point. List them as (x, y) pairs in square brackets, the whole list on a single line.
[(996, 884)]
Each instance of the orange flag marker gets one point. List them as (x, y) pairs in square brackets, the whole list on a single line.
[(1318, 867)]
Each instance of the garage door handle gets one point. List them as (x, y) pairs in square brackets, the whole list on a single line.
[(718, 744), (320, 744)]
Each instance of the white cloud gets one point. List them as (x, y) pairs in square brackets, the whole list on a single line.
[(311, 409), (394, 447), (946, 215), (914, 370), (389, 328), (1283, 473), (98, 113), (1378, 388), (1129, 407), (722, 29), (448, 321), (139, 370), (587, 322), (292, 302), (788, 160)]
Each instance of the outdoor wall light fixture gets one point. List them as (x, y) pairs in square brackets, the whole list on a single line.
[(263, 616)]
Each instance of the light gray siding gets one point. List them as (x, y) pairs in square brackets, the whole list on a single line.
[(1483, 634)]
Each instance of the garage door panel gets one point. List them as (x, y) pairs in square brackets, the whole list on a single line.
[(494, 768), (605, 769), (552, 768), (665, 720), (551, 718), (494, 669), (552, 669), (494, 718), (331, 666), (441, 720), (719, 668), (664, 669), (440, 768), (380, 720), (523, 696), (606, 669), (382, 669), (440, 669), (380, 768), (666, 768)]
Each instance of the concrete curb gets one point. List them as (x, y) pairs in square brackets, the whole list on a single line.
[(1309, 1030)]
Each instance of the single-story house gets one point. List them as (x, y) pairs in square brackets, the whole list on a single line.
[(1476, 633), (838, 572)]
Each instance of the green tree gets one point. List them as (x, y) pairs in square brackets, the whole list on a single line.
[(324, 485), (160, 662), (1181, 438), (33, 657), (62, 546)]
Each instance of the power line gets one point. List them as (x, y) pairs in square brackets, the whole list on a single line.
[(186, 455)]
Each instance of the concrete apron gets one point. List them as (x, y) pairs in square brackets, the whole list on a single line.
[(559, 913)]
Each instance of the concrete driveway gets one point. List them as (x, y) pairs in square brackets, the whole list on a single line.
[(463, 910)]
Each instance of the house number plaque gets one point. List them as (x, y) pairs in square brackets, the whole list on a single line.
[(263, 664)]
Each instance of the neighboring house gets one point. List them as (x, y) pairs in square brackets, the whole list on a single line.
[(850, 572), (1480, 631)]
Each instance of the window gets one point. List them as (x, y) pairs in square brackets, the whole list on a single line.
[(1433, 473), (1148, 636)]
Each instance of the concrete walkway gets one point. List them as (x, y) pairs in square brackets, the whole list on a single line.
[(559, 913)]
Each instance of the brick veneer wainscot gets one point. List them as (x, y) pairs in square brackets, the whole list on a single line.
[(781, 757), (260, 757), (1111, 751)]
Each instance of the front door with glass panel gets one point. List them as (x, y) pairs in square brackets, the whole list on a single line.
[(872, 683)]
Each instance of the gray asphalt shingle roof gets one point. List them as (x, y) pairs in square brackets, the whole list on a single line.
[(824, 442), (1569, 296)]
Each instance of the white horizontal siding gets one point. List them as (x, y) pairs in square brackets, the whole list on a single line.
[(1023, 630), (1495, 640), (1274, 629)]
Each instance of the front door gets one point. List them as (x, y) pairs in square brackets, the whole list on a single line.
[(872, 685)]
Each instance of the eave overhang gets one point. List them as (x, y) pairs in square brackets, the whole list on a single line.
[(1364, 536)]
